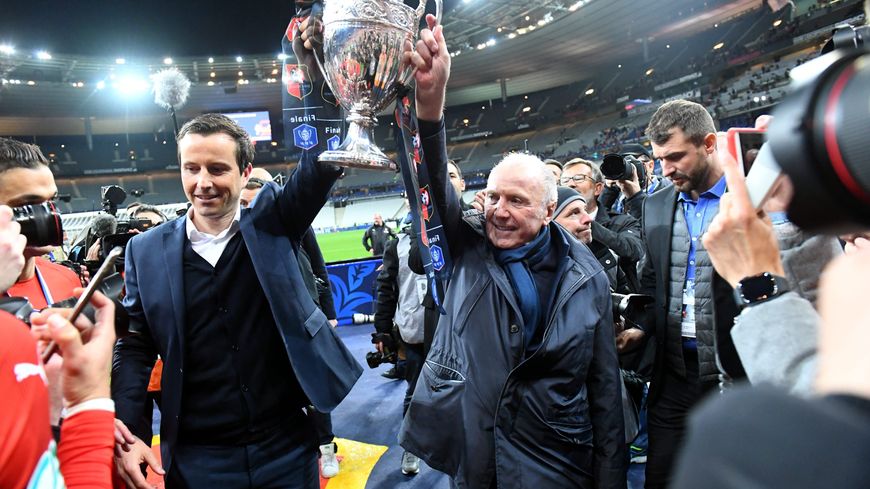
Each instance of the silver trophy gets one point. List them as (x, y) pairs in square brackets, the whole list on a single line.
[(363, 41)]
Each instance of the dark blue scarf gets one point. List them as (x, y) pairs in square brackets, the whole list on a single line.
[(516, 263)]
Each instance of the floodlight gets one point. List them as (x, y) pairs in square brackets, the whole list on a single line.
[(43, 55), (167, 60), (239, 59), (101, 85), (7, 49), (130, 85), (211, 60), (120, 61)]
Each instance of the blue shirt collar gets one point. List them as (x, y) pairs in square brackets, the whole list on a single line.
[(716, 191)]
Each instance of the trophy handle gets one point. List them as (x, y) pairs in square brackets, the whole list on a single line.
[(421, 9), (320, 63), (405, 79)]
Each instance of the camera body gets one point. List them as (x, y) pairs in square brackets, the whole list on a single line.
[(140, 225), (375, 358), (40, 223), (620, 167), (631, 307)]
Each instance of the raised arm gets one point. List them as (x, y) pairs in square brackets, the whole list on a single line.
[(432, 61)]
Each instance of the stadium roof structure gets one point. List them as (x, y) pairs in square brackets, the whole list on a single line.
[(521, 47)]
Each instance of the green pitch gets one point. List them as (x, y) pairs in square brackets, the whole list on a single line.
[(344, 245)]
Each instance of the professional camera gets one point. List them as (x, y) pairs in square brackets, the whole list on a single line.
[(140, 225), (376, 358), (631, 307), (621, 167), (40, 223), (818, 137)]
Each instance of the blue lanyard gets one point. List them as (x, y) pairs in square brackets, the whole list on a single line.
[(49, 300)]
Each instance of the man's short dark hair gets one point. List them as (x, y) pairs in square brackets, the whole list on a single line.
[(16, 154), (148, 208), (691, 118), (208, 124), (455, 165)]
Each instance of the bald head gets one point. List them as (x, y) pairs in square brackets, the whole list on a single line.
[(262, 174), (258, 178)]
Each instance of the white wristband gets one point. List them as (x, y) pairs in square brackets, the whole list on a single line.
[(99, 404)]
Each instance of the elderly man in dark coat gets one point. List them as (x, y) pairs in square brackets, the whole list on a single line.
[(521, 388)]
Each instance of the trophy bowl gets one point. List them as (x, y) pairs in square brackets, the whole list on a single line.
[(363, 42)]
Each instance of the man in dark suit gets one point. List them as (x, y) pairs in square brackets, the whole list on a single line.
[(694, 308), (219, 296)]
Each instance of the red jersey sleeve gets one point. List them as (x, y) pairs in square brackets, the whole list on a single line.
[(85, 452)]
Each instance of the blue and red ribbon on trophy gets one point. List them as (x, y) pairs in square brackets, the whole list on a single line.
[(311, 114), (426, 221)]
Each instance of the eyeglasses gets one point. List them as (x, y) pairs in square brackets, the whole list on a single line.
[(576, 178)]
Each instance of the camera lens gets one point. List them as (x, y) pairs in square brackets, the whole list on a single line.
[(41, 224), (818, 137), (614, 167)]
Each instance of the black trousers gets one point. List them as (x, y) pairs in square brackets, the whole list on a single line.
[(667, 416), (414, 359), (322, 425), (286, 459)]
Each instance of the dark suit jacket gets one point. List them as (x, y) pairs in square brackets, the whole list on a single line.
[(272, 231), (658, 224)]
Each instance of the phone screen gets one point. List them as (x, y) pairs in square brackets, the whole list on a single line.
[(748, 145)]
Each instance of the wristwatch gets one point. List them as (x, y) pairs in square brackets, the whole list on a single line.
[(759, 288)]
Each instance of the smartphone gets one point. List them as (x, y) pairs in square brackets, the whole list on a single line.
[(105, 269), (762, 177), (744, 144)]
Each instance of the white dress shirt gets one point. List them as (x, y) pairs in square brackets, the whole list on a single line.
[(210, 247)]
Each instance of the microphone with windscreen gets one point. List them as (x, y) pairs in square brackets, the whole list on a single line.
[(103, 225), (171, 89)]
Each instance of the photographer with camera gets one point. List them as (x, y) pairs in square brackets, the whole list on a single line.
[(27, 184), (26, 180), (616, 238), (28, 454), (399, 302), (106, 227), (629, 178)]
